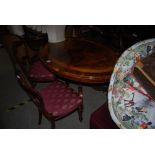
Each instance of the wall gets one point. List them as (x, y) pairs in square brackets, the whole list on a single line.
[(56, 33), (16, 29)]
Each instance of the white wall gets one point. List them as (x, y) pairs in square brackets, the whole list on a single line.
[(56, 33), (16, 29)]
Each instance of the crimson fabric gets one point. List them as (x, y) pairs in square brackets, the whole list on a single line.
[(101, 119), (39, 73), (60, 99)]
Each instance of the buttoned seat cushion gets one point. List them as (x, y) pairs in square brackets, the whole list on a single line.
[(39, 73), (60, 99)]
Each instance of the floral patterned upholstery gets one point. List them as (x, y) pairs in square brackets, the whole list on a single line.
[(59, 99), (39, 73)]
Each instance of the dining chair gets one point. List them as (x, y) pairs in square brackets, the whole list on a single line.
[(55, 101), (31, 65), (101, 119)]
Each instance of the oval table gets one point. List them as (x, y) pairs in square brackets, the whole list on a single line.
[(81, 61), (129, 104)]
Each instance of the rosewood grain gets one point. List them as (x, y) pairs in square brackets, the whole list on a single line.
[(80, 60)]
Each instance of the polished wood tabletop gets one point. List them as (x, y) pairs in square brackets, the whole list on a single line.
[(81, 60)]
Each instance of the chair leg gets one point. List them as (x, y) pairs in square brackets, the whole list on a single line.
[(52, 124), (80, 91), (80, 111), (40, 117)]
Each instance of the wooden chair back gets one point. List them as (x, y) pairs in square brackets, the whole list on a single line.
[(30, 90)]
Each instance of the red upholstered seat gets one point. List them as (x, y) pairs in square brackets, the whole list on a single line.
[(39, 73), (59, 99), (101, 119)]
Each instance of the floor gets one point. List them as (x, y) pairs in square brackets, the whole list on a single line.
[(26, 116)]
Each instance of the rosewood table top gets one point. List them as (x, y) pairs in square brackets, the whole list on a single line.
[(81, 61)]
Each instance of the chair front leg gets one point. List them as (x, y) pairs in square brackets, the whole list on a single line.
[(40, 117), (52, 124), (80, 108), (80, 91), (80, 111)]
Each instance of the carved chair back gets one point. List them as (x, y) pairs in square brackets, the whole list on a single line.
[(30, 90)]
